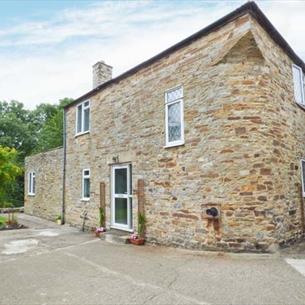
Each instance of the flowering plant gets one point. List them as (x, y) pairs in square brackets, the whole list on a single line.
[(100, 230), (134, 236)]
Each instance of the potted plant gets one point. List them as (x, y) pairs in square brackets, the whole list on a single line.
[(139, 239), (58, 219), (101, 228)]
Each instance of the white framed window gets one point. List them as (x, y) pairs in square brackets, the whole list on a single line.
[(86, 184), (31, 183), (83, 117), (303, 176), (299, 85), (174, 120)]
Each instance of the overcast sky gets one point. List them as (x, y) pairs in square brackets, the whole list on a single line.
[(47, 48)]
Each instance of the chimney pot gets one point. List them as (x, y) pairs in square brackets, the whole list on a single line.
[(101, 73)]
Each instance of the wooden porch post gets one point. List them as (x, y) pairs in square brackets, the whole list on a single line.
[(103, 200), (141, 196)]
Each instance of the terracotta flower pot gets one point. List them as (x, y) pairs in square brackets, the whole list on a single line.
[(138, 241)]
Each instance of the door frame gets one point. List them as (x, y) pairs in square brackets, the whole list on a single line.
[(128, 196)]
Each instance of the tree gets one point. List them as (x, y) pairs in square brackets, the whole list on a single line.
[(51, 133), (9, 171), (39, 116), (28, 132), (15, 131)]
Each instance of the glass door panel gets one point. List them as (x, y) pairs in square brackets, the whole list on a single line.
[(121, 211), (120, 181), (121, 197)]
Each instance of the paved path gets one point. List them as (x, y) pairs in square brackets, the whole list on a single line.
[(51, 264)]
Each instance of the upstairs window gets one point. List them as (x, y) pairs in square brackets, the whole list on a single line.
[(299, 85), (86, 184), (174, 125), (31, 183), (83, 117)]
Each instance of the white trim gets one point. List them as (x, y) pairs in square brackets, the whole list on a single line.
[(174, 144), (81, 133), (302, 103), (112, 226), (303, 186), (83, 108), (29, 183), (173, 89), (167, 104), (31, 178), (83, 184), (128, 196), (85, 199)]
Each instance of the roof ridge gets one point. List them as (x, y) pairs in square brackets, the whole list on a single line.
[(248, 8)]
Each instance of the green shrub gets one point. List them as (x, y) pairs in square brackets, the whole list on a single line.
[(3, 220), (102, 217), (141, 224)]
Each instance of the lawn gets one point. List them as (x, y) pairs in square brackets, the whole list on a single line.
[(2, 220)]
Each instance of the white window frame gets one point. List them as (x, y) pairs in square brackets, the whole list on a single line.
[(303, 185), (82, 131), (167, 104), (302, 102), (31, 181), (83, 183)]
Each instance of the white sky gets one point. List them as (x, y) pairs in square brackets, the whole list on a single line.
[(46, 59)]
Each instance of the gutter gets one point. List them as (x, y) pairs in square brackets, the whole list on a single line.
[(63, 207)]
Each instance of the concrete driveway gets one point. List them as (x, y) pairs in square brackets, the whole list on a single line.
[(51, 264)]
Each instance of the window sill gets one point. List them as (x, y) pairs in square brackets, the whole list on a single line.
[(121, 228), (31, 194), (81, 133), (175, 144), (85, 199)]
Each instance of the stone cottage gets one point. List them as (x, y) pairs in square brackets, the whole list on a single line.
[(206, 138)]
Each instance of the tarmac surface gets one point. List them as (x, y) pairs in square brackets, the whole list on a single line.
[(52, 264)]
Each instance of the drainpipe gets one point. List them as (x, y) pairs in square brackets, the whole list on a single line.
[(64, 170)]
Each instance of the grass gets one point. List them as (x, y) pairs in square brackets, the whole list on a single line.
[(2, 220)]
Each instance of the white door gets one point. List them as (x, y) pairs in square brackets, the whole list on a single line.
[(121, 205)]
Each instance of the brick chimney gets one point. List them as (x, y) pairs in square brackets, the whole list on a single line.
[(101, 73)]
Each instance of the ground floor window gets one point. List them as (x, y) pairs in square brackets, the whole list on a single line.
[(31, 183), (303, 176), (86, 184)]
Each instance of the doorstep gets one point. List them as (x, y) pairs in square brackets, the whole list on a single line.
[(116, 236)]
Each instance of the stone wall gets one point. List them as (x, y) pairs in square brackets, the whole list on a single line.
[(48, 168), (243, 142), (286, 134)]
